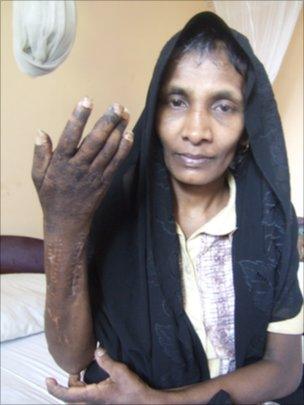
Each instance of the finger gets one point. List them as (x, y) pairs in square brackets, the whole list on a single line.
[(114, 368), (73, 394), (75, 381), (107, 153), (72, 132), (122, 151), (115, 121), (42, 157)]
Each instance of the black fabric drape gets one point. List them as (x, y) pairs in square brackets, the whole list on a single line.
[(133, 253)]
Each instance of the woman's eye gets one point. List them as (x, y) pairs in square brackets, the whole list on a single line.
[(225, 108), (177, 103)]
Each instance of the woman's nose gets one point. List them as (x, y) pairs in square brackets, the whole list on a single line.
[(197, 127)]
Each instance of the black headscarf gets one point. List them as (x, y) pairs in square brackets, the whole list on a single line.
[(134, 257)]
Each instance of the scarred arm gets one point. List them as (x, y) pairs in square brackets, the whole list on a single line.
[(71, 181)]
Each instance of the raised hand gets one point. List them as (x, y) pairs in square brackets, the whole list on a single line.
[(72, 180)]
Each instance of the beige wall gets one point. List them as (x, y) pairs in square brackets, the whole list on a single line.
[(112, 60), (288, 89)]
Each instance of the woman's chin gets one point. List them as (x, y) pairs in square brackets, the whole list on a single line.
[(196, 179), (197, 176)]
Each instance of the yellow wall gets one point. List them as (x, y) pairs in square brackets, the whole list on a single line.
[(116, 47), (112, 60), (288, 89)]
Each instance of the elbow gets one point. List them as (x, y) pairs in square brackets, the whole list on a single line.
[(72, 355), (295, 379), (72, 358), (290, 380), (72, 363)]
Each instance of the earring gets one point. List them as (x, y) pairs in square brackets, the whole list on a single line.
[(244, 148), (239, 157)]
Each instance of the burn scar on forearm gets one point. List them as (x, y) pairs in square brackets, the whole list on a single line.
[(55, 322), (64, 264)]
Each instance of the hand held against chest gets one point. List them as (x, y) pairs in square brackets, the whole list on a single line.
[(71, 182)]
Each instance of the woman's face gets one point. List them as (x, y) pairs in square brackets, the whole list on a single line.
[(200, 117)]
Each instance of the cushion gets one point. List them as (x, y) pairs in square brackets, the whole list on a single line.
[(22, 305)]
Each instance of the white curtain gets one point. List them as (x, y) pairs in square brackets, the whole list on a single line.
[(43, 34), (267, 24)]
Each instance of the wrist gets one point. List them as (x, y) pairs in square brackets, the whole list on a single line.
[(160, 397), (70, 228)]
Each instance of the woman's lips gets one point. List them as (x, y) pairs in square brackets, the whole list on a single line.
[(193, 160)]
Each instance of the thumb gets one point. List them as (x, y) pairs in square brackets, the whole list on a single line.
[(106, 362), (75, 381), (42, 157)]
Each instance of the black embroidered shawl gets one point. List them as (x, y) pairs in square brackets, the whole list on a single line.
[(134, 249)]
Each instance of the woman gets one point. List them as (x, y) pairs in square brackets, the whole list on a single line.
[(186, 275)]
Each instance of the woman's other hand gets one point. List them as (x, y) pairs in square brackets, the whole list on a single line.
[(122, 386), (72, 180)]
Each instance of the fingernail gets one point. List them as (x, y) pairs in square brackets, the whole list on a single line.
[(86, 102), (50, 380), (125, 113), (117, 108), (99, 352), (41, 137), (129, 136)]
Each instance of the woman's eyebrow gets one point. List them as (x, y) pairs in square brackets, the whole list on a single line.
[(175, 90), (217, 95), (228, 95)]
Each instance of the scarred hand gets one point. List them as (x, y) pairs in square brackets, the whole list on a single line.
[(122, 387), (72, 180)]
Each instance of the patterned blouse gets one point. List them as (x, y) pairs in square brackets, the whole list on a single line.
[(208, 290)]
